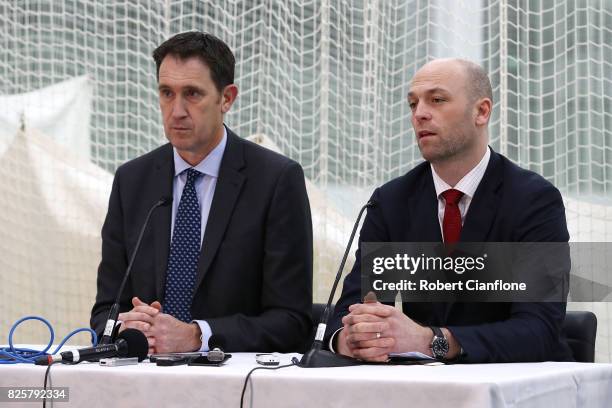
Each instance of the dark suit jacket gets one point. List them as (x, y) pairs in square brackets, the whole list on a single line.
[(254, 281), (510, 205)]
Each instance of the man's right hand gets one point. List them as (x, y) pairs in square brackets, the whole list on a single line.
[(342, 346), (140, 318)]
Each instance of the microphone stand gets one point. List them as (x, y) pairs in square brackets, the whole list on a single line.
[(316, 357), (111, 321)]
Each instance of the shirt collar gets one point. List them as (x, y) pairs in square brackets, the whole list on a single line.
[(469, 183), (211, 163)]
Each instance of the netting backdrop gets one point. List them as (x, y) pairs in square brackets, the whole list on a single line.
[(325, 81)]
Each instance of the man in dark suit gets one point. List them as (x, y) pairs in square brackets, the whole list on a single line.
[(463, 192), (232, 255)]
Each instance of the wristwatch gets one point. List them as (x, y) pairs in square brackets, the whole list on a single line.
[(439, 344)]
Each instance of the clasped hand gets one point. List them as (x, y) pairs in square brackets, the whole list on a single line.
[(373, 330), (165, 333)]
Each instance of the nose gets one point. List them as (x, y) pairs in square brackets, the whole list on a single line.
[(421, 112), (178, 108)]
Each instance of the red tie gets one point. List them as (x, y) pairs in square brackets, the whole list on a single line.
[(451, 225)]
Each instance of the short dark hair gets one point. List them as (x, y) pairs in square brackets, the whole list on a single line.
[(209, 49)]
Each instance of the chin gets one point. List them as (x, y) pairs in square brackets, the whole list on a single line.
[(428, 152), (181, 139), (432, 155), (180, 143)]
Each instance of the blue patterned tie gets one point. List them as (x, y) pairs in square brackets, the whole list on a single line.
[(184, 252)]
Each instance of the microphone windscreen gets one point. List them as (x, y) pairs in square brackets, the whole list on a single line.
[(216, 341), (137, 343)]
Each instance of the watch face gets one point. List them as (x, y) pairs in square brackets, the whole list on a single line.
[(439, 347)]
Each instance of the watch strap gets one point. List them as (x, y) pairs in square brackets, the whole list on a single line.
[(437, 331)]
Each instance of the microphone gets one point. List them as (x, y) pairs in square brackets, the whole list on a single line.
[(216, 344), (130, 343), (111, 321), (315, 357)]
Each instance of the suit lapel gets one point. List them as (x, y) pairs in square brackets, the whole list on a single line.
[(483, 208), (227, 190), (161, 220), (423, 207), (425, 226)]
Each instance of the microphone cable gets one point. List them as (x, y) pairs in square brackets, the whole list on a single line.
[(294, 362), (47, 376), (14, 355)]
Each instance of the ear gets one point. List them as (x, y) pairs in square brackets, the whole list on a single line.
[(483, 111), (229, 95)]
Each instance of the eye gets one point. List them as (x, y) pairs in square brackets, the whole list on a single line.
[(438, 100), (193, 93), (165, 93), (412, 105)]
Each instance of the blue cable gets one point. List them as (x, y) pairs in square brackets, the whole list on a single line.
[(14, 355)]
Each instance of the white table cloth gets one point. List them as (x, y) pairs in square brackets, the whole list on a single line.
[(550, 384)]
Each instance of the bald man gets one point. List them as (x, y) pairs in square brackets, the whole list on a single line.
[(490, 199)]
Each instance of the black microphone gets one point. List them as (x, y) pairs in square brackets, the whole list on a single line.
[(315, 357), (216, 344), (111, 321), (130, 343)]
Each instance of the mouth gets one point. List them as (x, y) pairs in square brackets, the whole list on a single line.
[(180, 129), (425, 133)]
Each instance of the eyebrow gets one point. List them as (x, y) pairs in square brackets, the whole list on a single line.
[(430, 91), (161, 87)]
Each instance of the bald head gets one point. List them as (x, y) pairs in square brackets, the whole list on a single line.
[(478, 83), (451, 103), (474, 77)]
